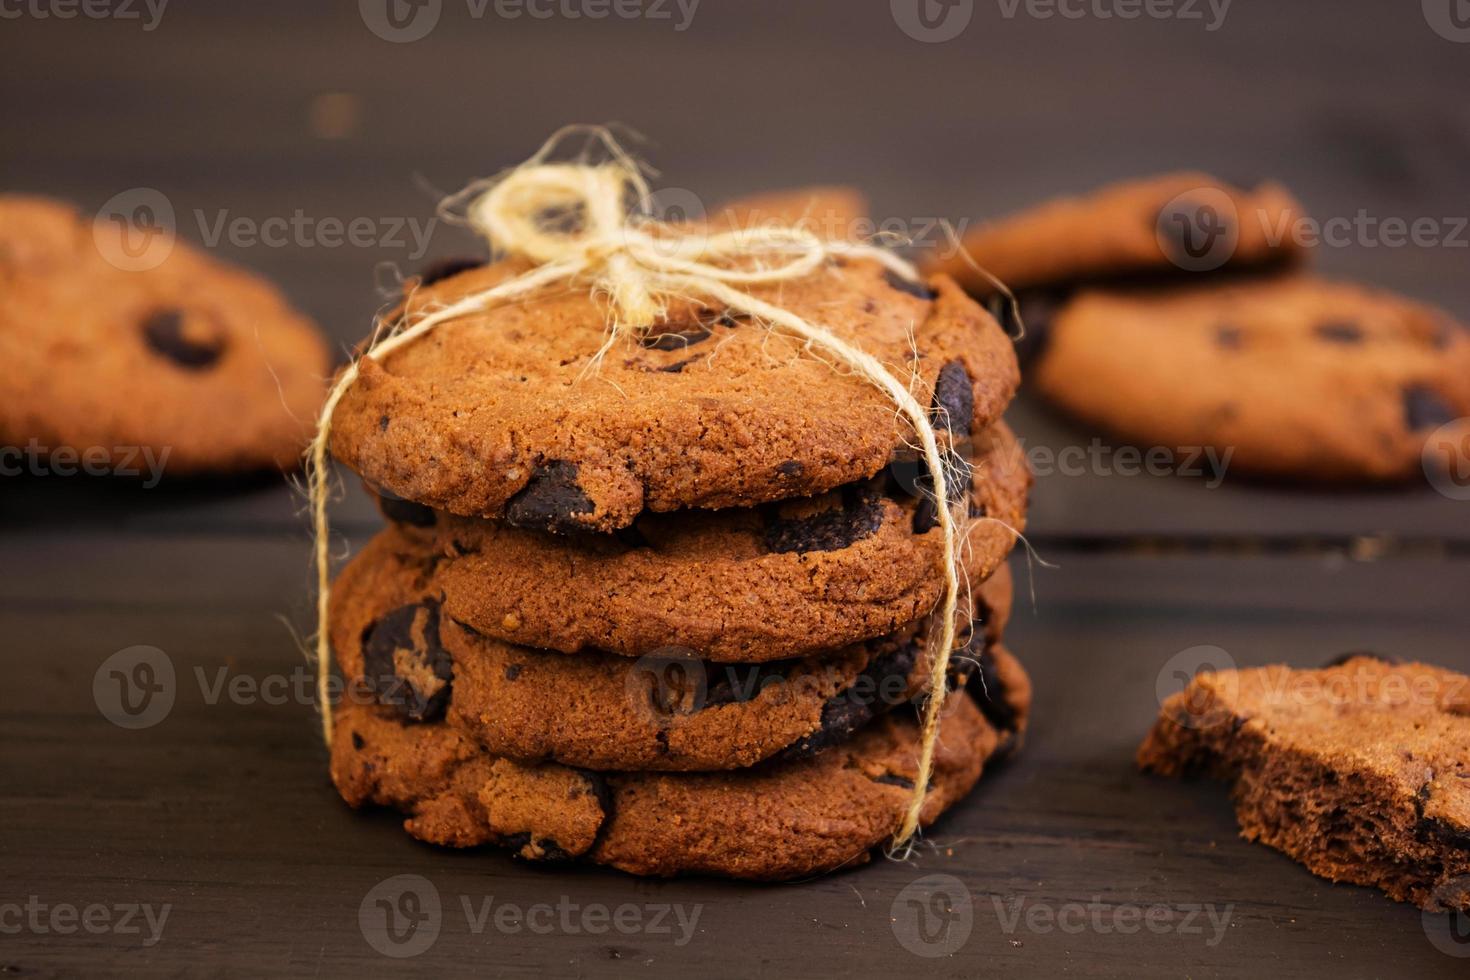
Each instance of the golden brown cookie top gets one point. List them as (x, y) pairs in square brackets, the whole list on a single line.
[(500, 414), (186, 355)]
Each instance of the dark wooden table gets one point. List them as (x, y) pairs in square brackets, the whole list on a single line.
[(1066, 860)]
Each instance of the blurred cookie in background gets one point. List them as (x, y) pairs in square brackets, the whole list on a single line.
[(1296, 377), (1161, 228), (120, 342)]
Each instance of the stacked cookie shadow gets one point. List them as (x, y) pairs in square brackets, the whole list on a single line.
[(1177, 312), (671, 615)]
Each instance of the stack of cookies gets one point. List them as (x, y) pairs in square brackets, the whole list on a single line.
[(672, 614)]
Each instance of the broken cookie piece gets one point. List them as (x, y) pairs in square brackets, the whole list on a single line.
[(1360, 771)]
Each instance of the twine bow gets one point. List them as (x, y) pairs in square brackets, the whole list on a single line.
[(639, 264)]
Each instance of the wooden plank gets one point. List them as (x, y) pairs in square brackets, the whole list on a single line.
[(1089, 487), (222, 808)]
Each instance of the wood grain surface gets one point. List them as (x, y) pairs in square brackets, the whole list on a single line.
[(1068, 861)]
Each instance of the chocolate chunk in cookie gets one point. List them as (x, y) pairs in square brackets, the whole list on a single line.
[(957, 476), (881, 686), (1425, 408), (988, 688), (1229, 337), (190, 340), (674, 337), (551, 501), (913, 287), (954, 398), (1340, 332), (405, 663), (859, 516), (1343, 658)]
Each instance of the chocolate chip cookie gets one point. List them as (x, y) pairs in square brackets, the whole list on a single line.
[(1167, 224), (187, 357), (498, 415), (745, 585), (1294, 376), (779, 820), (396, 641), (1360, 771)]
